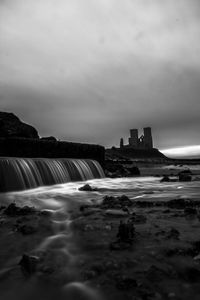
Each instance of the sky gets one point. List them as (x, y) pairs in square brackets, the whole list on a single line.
[(88, 71)]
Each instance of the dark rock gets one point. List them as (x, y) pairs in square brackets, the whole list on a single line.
[(118, 169), (116, 202), (27, 229), (165, 178), (125, 236), (185, 175), (26, 210), (134, 171), (87, 188), (45, 213), (29, 264), (173, 234), (13, 210), (12, 126)]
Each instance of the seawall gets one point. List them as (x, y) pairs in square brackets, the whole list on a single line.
[(30, 148)]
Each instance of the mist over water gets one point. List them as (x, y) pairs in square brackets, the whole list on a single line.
[(62, 199)]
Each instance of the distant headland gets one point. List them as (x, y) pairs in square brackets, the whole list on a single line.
[(137, 147)]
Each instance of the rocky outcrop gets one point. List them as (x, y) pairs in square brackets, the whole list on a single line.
[(12, 126), (18, 139), (131, 153)]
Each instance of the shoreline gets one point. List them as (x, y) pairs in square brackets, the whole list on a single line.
[(157, 265)]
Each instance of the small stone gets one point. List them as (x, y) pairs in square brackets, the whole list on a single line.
[(87, 188), (28, 264)]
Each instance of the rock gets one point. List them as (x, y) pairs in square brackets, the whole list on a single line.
[(12, 126), (165, 178), (125, 236), (13, 210), (118, 169), (87, 188), (88, 227), (137, 218), (29, 264), (26, 229), (173, 234), (134, 171), (185, 175), (116, 202), (45, 213)]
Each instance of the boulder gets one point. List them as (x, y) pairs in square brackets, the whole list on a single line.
[(185, 175), (134, 171), (12, 126), (28, 264), (87, 188), (165, 178)]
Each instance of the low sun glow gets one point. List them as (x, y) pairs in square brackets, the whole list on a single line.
[(183, 152)]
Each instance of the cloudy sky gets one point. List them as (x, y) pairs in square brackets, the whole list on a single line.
[(88, 70)]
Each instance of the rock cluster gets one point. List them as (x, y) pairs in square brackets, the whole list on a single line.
[(117, 169), (116, 202)]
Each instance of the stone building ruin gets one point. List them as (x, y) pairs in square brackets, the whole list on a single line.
[(145, 141)]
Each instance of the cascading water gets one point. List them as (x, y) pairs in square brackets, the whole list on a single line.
[(26, 173)]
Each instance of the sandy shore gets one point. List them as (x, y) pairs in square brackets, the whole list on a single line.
[(160, 262)]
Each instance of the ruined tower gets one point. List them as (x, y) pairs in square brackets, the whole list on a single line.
[(121, 143), (148, 141), (133, 140)]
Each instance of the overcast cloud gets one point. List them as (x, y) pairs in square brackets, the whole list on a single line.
[(90, 70)]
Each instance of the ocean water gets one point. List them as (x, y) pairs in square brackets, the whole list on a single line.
[(148, 188)]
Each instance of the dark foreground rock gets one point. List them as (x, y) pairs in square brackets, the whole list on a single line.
[(28, 264), (14, 210)]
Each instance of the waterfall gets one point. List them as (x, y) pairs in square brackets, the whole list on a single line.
[(26, 173)]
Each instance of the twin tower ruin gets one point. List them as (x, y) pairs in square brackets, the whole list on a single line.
[(145, 141)]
